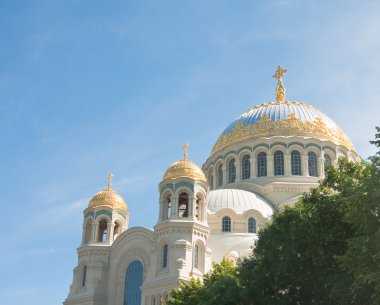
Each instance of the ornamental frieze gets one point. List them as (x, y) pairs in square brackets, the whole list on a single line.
[(265, 127)]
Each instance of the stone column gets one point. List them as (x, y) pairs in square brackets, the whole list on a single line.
[(270, 171), (253, 161), (321, 167), (238, 170), (287, 165), (224, 175), (304, 166), (175, 206), (108, 232), (112, 229), (94, 232)]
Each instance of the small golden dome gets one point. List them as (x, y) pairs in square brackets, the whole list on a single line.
[(108, 198), (185, 168)]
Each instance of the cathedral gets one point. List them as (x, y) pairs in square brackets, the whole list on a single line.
[(264, 160)]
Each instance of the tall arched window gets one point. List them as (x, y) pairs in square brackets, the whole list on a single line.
[(226, 224), (196, 256), (84, 275), (211, 179), (165, 257), (246, 167), (220, 175), (327, 162), (261, 164), (296, 163), (133, 282), (102, 234), (183, 205), (278, 163), (312, 162), (231, 171), (251, 225)]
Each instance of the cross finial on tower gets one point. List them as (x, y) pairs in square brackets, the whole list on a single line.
[(185, 147), (110, 176), (280, 89)]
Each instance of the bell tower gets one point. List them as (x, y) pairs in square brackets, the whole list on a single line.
[(105, 218), (182, 231)]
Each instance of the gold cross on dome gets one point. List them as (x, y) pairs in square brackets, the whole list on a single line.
[(279, 73), (185, 147), (110, 176)]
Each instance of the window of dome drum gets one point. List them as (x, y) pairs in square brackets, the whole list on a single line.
[(312, 162), (133, 282), (261, 164), (196, 256), (251, 225), (327, 162), (296, 163), (183, 205), (246, 167), (226, 224), (220, 175), (278, 163), (102, 237), (165, 257), (231, 171)]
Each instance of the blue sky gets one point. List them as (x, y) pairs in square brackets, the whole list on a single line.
[(92, 87)]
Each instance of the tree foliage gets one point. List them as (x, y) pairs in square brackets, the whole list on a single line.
[(324, 250)]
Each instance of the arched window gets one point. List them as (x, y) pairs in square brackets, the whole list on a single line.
[(220, 175), (312, 162), (183, 205), (102, 236), (251, 225), (84, 275), (87, 233), (196, 256), (327, 162), (133, 282), (231, 171), (165, 257), (211, 179), (226, 224), (278, 163), (296, 163), (262, 164), (246, 167)]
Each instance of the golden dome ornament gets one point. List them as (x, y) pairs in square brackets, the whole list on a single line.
[(185, 169), (108, 198)]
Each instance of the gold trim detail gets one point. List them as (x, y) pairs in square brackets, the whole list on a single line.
[(291, 126)]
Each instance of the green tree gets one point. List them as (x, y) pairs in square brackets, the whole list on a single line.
[(219, 287)]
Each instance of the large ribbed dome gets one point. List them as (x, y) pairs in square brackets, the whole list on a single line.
[(282, 119), (238, 200)]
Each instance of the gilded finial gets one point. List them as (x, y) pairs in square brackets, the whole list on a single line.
[(110, 176), (185, 147), (280, 89)]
